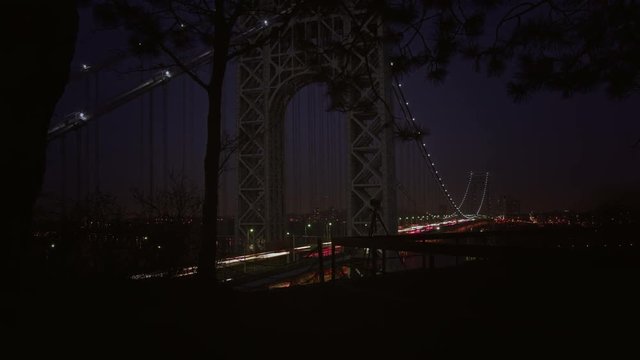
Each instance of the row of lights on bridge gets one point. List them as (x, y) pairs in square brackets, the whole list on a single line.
[(424, 147), (288, 233)]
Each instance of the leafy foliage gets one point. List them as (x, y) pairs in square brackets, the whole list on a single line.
[(569, 46), (411, 133)]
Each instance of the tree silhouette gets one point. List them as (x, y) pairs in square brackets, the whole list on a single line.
[(569, 46), (180, 202)]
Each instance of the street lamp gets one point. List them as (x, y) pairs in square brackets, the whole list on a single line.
[(246, 244), (249, 240), (305, 229), (293, 247), (327, 231)]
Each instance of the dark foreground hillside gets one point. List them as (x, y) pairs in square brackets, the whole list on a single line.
[(525, 307)]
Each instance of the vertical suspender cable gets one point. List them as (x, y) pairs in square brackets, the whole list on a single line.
[(410, 163), (309, 123), (86, 160), (192, 125), (425, 191), (327, 153), (405, 175), (288, 162), (323, 154), (151, 144), (311, 110), (141, 128), (338, 129), (165, 136), (291, 150), (295, 148), (402, 168), (294, 194), (414, 181), (430, 198), (319, 158), (345, 160), (84, 154), (184, 124), (318, 136), (321, 143), (300, 163), (78, 165), (97, 134), (333, 139), (63, 184), (326, 144), (418, 185), (305, 183), (296, 156), (222, 174)]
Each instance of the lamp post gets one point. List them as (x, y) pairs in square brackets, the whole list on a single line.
[(249, 239), (246, 246), (293, 247), (327, 231)]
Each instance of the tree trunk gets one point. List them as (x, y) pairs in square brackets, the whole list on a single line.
[(39, 42), (208, 247)]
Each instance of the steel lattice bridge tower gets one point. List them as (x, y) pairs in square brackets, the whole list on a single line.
[(270, 76)]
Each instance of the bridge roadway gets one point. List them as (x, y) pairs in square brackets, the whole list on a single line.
[(281, 264), (503, 243), (451, 241), (256, 265)]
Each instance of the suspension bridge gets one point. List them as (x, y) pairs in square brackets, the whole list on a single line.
[(298, 169)]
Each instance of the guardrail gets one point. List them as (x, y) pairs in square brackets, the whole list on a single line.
[(496, 244)]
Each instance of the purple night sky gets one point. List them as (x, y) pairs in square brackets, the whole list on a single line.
[(551, 153)]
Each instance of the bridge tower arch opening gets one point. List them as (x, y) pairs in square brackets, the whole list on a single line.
[(315, 165), (304, 53)]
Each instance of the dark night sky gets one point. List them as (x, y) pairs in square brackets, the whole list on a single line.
[(549, 152)]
